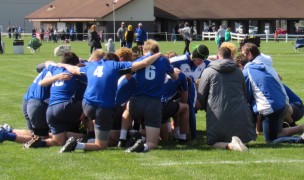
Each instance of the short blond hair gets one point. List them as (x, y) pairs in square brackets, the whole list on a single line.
[(231, 46), (97, 55), (151, 46)]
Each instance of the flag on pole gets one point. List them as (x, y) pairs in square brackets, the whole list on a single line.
[(115, 1)]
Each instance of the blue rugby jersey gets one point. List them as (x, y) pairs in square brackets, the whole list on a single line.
[(61, 91), (186, 65), (171, 86), (150, 80), (102, 81)]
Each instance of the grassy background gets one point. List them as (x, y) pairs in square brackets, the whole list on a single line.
[(168, 161)]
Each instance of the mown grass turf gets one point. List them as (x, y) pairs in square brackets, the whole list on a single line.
[(168, 161)]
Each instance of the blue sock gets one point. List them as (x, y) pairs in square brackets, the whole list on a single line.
[(9, 136)]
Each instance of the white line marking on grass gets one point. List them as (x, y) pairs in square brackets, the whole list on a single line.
[(224, 162)]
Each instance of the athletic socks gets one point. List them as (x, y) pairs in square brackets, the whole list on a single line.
[(123, 134), (9, 136), (80, 146), (146, 148)]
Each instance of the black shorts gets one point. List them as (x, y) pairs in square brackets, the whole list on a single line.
[(64, 117), (149, 109), (36, 111), (103, 116), (169, 110), (117, 117)]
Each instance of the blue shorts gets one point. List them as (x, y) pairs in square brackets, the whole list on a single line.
[(103, 116), (147, 108), (64, 117), (37, 114)]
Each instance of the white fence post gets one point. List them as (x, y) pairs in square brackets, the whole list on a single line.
[(286, 37)]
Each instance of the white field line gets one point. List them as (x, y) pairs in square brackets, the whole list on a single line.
[(224, 162)]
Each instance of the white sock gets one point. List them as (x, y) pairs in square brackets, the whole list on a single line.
[(91, 141), (143, 138), (176, 132), (169, 126), (80, 146), (123, 134), (146, 148), (182, 136)]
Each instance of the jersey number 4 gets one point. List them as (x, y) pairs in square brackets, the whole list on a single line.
[(98, 71)]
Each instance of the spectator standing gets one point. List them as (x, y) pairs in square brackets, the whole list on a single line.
[(34, 30), (228, 35), (1, 49), (93, 39), (187, 35), (221, 35), (9, 31), (121, 34), (72, 34), (42, 34), (141, 35), (129, 36), (275, 36)]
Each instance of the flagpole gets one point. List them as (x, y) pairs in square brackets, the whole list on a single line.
[(113, 20)]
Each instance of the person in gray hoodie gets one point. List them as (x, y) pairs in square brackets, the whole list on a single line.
[(228, 117)]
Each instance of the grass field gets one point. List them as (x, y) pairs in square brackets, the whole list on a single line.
[(168, 161)]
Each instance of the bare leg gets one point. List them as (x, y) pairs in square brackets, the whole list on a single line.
[(101, 141), (184, 118), (152, 137), (114, 137), (23, 138), (258, 125), (98, 145), (56, 140), (22, 132), (290, 131), (164, 132)]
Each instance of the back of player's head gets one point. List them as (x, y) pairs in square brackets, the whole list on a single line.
[(70, 58), (231, 46), (97, 55), (224, 53), (111, 56), (151, 46), (124, 54), (201, 51), (171, 54), (241, 60)]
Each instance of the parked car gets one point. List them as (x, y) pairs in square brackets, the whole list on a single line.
[(281, 31)]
